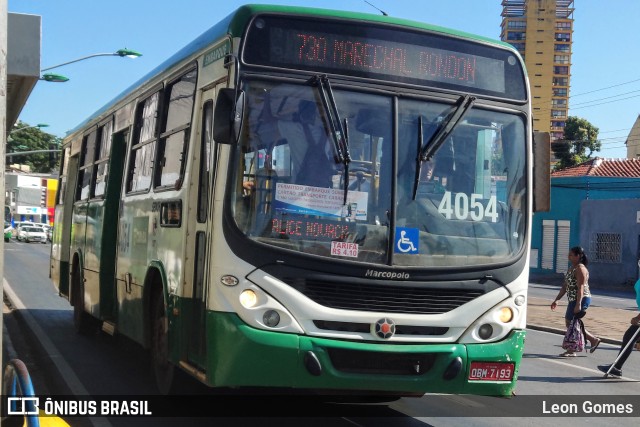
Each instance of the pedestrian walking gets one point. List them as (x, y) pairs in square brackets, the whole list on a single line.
[(576, 286), (626, 348)]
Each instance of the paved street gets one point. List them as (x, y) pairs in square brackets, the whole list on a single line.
[(62, 362)]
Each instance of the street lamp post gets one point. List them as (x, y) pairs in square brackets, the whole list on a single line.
[(19, 153), (14, 131), (55, 78), (121, 53), (39, 125)]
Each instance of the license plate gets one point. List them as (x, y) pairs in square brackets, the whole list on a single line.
[(491, 371)]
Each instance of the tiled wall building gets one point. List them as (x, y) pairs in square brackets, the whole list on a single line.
[(596, 205), (542, 32)]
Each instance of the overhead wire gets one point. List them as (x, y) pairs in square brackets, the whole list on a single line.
[(598, 90)]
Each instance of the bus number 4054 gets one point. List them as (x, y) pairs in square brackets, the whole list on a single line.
[(464, 207)]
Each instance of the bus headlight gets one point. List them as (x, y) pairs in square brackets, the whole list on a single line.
[(271, 318), (260, 309), (485, 331), (519, 300), (506, 314), (248, 298), (496, 323)]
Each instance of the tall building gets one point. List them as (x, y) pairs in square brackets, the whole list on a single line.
[(542, 31), (633, 141)]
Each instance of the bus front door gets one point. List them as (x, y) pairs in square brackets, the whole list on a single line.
[(200, 227)]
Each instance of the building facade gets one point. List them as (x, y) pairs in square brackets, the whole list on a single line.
[(633, 141), (542, 31), (595, 205), (30, 197)]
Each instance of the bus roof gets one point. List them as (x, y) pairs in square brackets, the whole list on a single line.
[(235, 23)]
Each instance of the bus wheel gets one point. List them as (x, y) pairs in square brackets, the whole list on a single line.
[(82, 321), (163, 370)]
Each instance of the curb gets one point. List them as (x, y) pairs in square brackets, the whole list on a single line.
[(7, 345), (562, 332)]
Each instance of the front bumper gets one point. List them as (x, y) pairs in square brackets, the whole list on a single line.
[(239, 356)]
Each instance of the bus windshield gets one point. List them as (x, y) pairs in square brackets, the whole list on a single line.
[(464, 205)]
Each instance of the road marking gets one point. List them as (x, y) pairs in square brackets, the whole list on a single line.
[(351, 421), (558, 362), (66, 373)]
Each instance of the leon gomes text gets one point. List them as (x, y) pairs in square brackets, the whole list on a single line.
[(587, 407)]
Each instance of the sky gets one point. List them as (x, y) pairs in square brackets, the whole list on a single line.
[(605, 70)]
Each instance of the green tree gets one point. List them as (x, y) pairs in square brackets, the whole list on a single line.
[(23, 137), (579, 136)]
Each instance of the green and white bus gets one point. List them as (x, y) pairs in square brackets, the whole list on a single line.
[(309, 199)]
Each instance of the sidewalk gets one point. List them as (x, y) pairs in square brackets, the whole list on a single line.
[(607, 323)]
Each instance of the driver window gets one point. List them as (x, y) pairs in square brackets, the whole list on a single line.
[(290, 168)]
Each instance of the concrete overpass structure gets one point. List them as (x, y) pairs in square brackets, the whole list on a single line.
[(22, 62)]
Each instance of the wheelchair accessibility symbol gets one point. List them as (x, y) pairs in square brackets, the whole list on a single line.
[(407, 240)]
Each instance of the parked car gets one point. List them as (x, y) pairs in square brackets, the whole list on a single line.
[(33, 234), (16, 228), (46, 227), (20, 229), (8, 231)]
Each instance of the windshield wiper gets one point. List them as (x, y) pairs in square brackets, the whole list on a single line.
[(445, 129), (419, 160), (338, 128), (447, 126)]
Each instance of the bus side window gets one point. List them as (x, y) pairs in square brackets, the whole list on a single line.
[(101, 168), (143, 145), (174, 137), (205, 161), (171, 214), (86, 165)]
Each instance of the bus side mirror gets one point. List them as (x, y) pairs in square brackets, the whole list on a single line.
[(541, 172), (228, 116)]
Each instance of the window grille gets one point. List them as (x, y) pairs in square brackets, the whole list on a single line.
[(606, 247)]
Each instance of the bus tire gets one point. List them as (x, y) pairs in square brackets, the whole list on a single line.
[(82, 321), (163, 370)]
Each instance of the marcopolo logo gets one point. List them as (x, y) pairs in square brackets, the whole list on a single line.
[(387, 274)]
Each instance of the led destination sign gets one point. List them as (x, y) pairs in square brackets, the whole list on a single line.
[(315, 229), (391, 54), (397, 59)]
